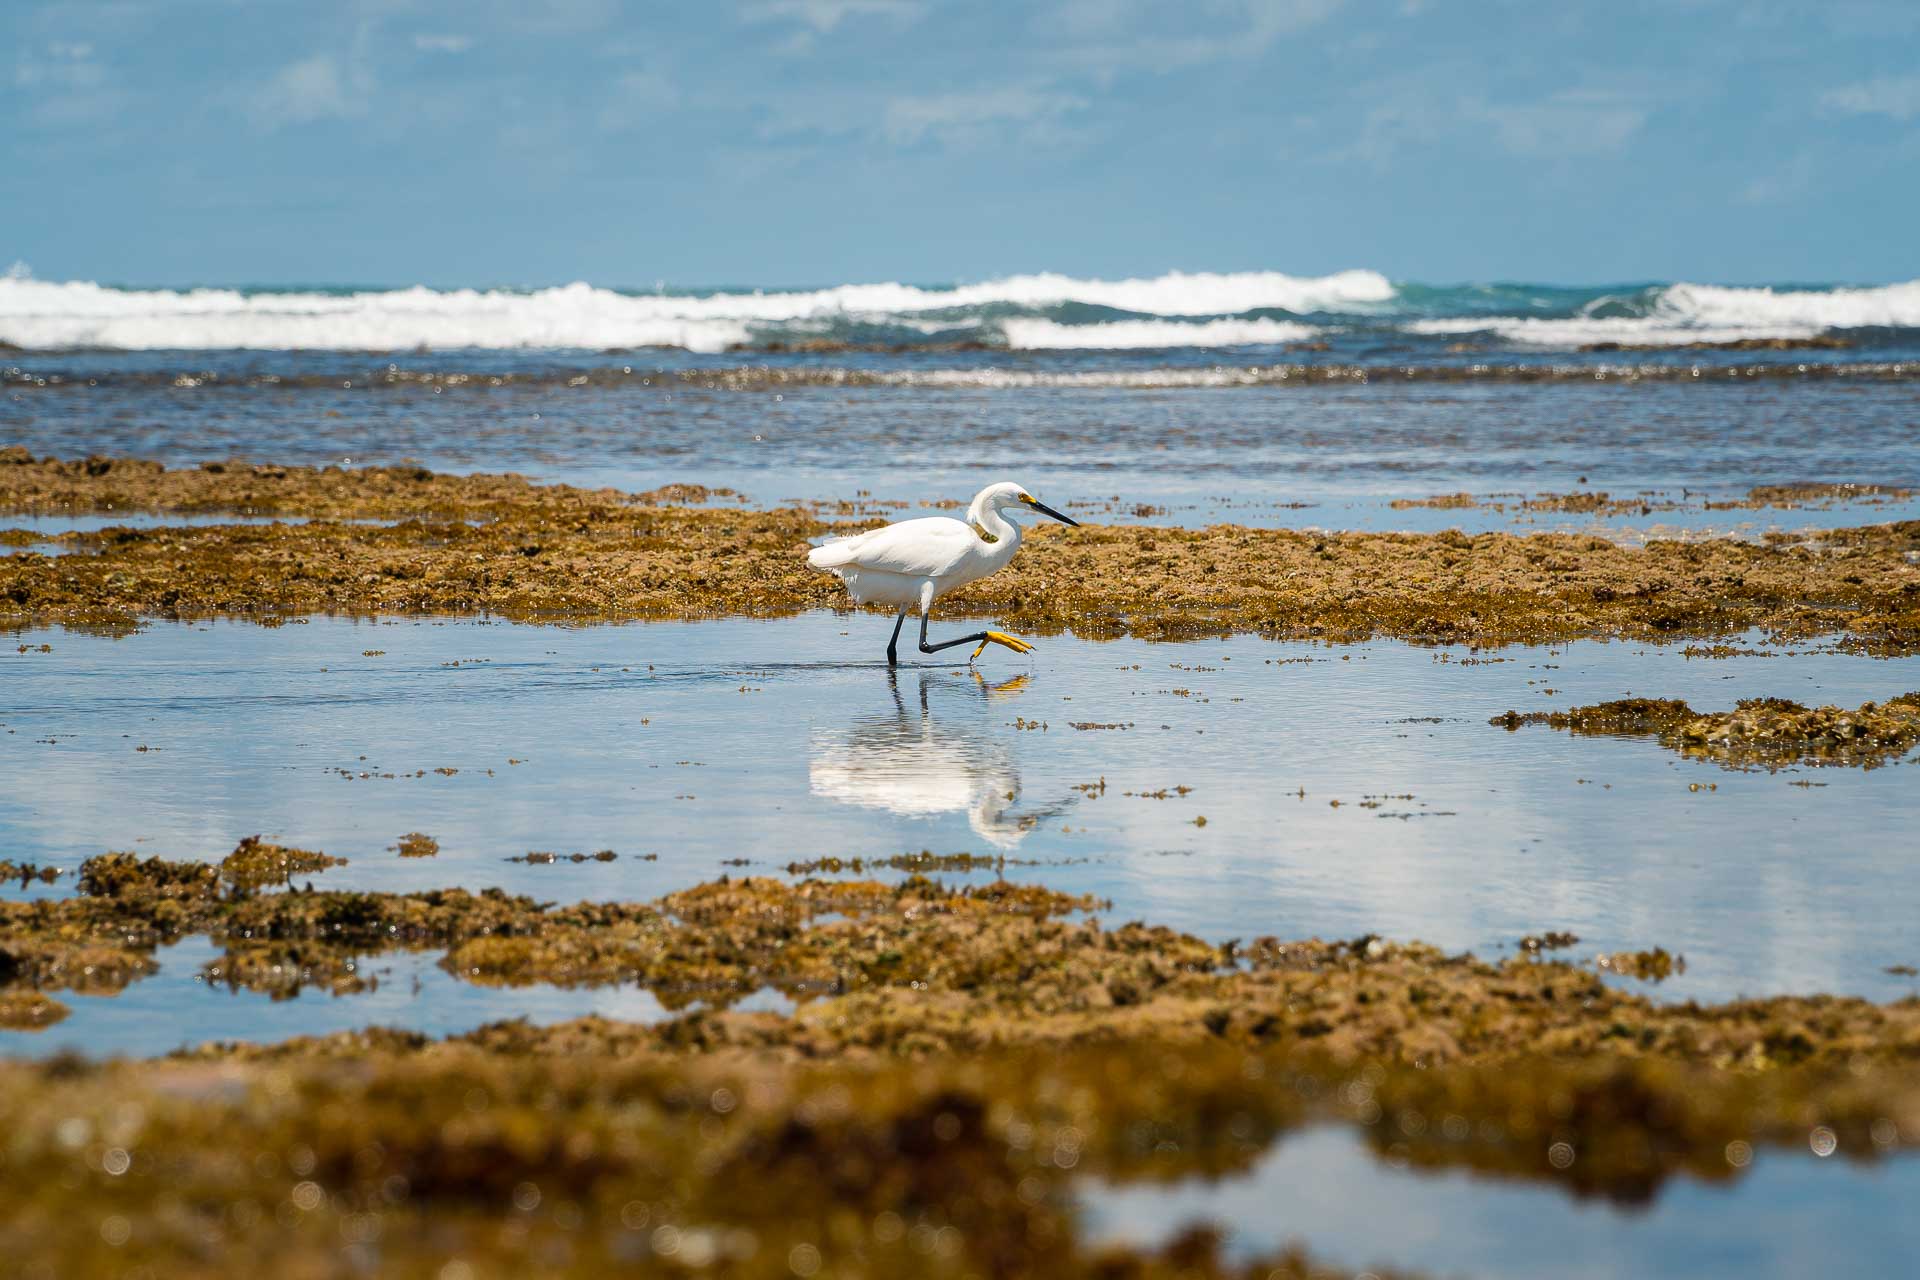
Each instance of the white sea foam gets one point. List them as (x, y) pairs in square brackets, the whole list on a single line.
[(1893, 305), (44, 314), (36, 314), (1685, 313), (1118, 335), (1179, 293), (1177, 309), (1130, 379), (1630, 330)]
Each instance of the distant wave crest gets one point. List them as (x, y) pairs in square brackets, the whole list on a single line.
[(1025, 312), (1684, 313), (1894, 306), (1137, 335), (41, 314)]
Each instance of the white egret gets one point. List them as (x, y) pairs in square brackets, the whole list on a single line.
[(914, 562)]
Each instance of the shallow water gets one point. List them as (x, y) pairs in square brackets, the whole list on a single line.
[(1202, 454), (1785, 1216), (1345, 789), (179, 1007), (685, 747)]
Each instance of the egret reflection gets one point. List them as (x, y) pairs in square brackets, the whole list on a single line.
[(918, 765)]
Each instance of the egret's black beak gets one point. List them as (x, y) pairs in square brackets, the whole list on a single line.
[(1046, 510)]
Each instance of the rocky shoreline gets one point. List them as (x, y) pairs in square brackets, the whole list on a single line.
[(405, 540)]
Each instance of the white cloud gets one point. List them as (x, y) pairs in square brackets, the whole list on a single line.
[(825, 15), (1571, 122), (638, 97), (1897, 97), (66, 66), (1785, 183), (70, 87), (972, 117), (443, 43), (1106, 36), (312, 89)]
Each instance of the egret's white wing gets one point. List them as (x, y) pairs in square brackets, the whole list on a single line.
[(927, 548)]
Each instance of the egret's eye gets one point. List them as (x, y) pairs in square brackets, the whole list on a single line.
[(1026, 497)]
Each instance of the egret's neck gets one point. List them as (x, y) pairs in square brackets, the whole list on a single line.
[(1006, 534)]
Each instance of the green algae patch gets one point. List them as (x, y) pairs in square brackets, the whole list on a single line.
[(128, 878), (1758, 733), (1821, 494), (504, 546), (1438, 502), (100, 485), (1656, 965), (379, 1154), (591, 1147), (959, 1059), (257, 864), (29, 1011), (714, 943), (926, 862), (542, 858), (912, 967), (417, 844)]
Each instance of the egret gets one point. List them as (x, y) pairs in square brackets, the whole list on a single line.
[(912, 563)]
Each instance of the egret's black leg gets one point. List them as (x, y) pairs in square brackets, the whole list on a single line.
[(982, 638), (893, 655)]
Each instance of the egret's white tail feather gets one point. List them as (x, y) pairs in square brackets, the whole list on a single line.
[(832, 555)]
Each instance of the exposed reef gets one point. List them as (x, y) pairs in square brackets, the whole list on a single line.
[(502, 546), (960, 1061), (1758, 733)]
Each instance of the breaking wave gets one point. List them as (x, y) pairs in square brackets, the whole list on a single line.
[(40, 315), (1026, 312), (1687, 314), (1134, 335)]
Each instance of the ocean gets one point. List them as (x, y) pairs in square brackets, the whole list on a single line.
[(1194, 396)]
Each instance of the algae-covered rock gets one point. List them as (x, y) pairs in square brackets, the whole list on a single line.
[(256, 864), (29, 1010), (1768, 733), (127, 876), (510, 548), (417, 844)]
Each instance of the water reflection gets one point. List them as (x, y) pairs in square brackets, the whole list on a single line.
[(1789, 1216), (918, 765)]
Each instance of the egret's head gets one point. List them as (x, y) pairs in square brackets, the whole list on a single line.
[(1008, 496)]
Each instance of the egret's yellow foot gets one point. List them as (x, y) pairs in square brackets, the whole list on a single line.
[(1014, 643)]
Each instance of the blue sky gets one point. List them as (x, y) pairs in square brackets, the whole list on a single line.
[(819, 141)]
